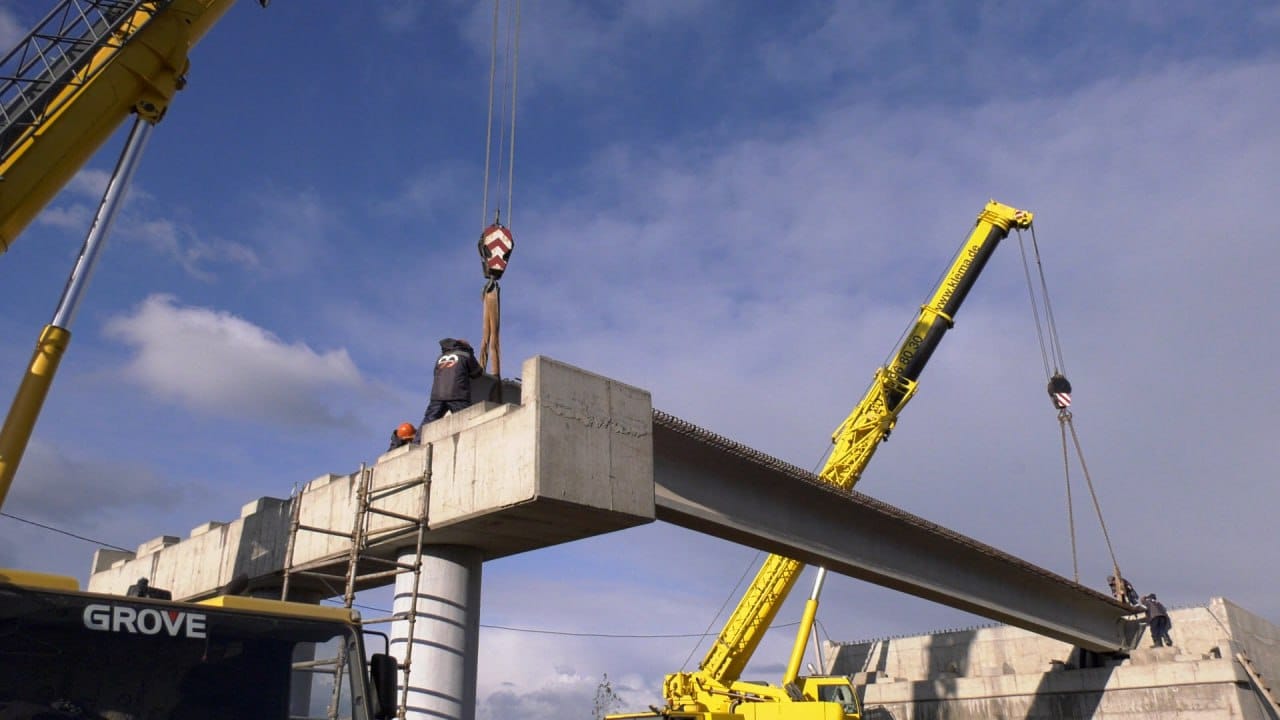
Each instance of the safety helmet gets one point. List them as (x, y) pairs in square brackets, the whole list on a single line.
[(406, 431)]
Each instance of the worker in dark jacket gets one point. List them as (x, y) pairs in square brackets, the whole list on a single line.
[(451, 385), (1122, 590), (1158, 619)]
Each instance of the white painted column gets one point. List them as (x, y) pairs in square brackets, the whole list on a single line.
[(442, 674)]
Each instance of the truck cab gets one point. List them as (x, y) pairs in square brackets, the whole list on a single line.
[(87, 655)]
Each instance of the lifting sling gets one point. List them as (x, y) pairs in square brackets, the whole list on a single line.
[(1059, 389)]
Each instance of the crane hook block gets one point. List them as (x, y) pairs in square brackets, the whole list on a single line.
[(1060, 391), (496, 245)]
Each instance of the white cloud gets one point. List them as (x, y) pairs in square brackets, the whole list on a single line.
[(71, 217), (216, 362), (290, 230), (73, 209), (577, 47), (91, 183), (11, 31), (183, 245), (140, 222), (54, 484), (441, 191), (400, 15)]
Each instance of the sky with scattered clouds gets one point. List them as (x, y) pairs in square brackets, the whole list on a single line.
[(737, 206)]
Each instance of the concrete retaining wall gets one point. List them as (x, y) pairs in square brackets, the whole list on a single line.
[(1005, 672)]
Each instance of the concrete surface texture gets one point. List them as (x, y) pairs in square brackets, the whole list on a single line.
[(1006, 672), (443, 659), (573, 459)]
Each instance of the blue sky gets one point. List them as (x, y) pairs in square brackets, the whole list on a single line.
[(737, 206)]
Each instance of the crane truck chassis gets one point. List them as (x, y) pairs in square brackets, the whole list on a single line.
[(71, 654)]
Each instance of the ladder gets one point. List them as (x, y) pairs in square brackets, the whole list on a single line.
[(56, 54), (1264, 691), (361, 568)]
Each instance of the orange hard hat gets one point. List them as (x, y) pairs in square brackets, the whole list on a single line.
[(406, 431)]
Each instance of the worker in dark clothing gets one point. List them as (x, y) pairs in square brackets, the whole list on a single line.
[(1122, 590), (143, 589), (1158, 619), (451, 384)]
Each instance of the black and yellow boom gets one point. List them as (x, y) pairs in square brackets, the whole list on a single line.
[(715, 691)]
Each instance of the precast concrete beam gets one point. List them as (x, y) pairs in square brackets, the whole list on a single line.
[(708, 483), (582, 455)]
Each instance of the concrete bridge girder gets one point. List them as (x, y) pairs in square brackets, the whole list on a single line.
[(583, 455)]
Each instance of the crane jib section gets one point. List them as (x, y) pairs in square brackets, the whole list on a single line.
[(138, 69)]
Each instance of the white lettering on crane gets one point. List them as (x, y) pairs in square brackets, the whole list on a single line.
[(145, 621), (122, 619)]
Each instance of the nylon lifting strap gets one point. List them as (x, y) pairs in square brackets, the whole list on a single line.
[(1059, 389), (496, 241)]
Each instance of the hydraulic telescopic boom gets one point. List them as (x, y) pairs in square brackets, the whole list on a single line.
[(715, 687)]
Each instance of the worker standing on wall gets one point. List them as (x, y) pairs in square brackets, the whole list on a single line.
[(451, 384), (1158, 619)]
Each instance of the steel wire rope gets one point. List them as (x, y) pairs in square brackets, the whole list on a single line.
[(1055, 356), (1084, 468), (1035, 306), (1071, 513), (755, 560), (507, 115), (515, 74), (506, 112), (68, 533), (488, 134)]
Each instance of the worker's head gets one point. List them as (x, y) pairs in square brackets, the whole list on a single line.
[(406, 431), (463, 342)]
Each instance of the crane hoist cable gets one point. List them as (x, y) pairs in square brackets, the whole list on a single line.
[(496, 241), (1059, 389)]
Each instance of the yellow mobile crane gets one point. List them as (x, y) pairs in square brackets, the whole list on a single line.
[(67, 653), (715, 691)]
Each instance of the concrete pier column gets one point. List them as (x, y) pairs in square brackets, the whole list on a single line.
[(442, 673)]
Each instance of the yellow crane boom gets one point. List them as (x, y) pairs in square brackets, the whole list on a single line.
[(135, 66), (715, 687), (63, 91), (67, 87)]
